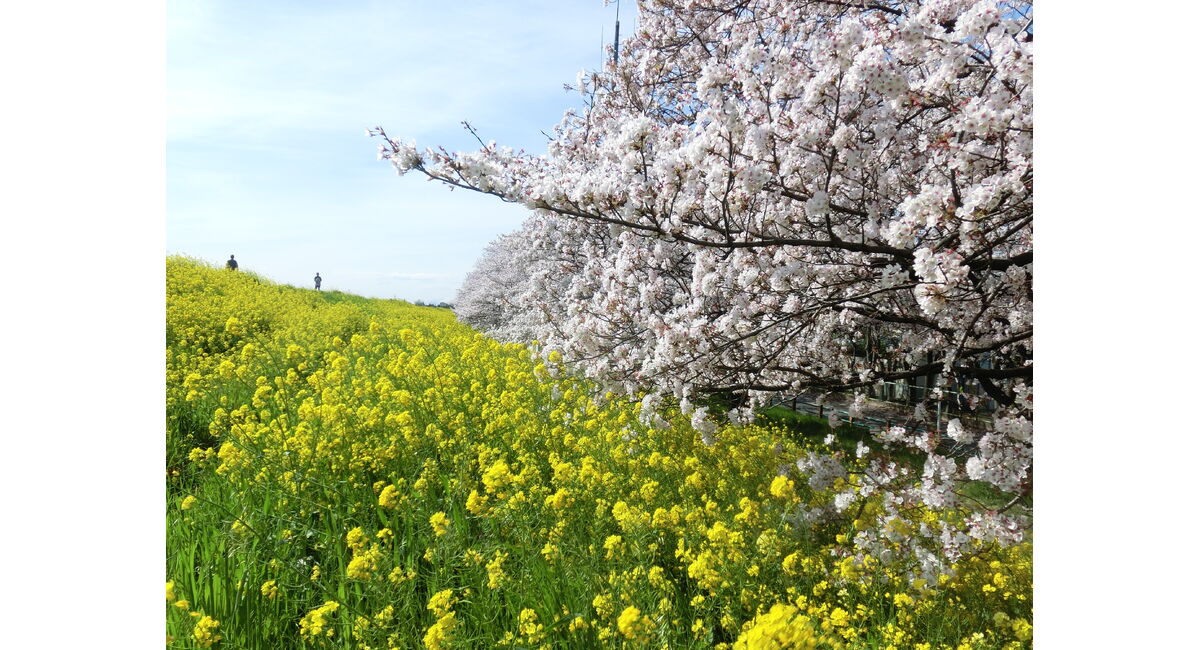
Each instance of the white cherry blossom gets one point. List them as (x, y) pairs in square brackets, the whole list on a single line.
[(767, 196)]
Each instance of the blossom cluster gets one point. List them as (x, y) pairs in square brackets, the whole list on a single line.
[(768, 197)]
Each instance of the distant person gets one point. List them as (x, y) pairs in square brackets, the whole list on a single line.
[(231, 264), (317, 281)]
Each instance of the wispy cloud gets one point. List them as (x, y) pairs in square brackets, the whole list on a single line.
[(251, 70), (267, 102)]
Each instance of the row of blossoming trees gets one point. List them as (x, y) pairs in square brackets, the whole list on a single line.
[(758, 190)]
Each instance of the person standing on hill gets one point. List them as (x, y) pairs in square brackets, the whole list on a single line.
[(231, 264), (317, 280)]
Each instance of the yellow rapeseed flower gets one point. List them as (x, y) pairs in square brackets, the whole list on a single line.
[(316, 622), (782, 627), (205, 631), (441, 602), (312, 423), (603, 605), (1022, 629), (612, 546), (356, 538), (495, 569), (362, 565), (634, 626), (438, 636), (783, 488), (528, 626), (476, 503), (389, 497), (440, 523)]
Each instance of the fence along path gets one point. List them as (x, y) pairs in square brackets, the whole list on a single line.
[(878, 415)]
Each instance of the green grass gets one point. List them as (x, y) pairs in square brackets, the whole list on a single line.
[(298, 408)]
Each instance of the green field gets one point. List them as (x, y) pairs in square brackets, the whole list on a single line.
[(354, 473)]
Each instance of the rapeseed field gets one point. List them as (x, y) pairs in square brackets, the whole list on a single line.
[(354, 473)]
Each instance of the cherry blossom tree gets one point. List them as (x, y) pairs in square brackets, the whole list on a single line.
[(489, 296), (757, 192)]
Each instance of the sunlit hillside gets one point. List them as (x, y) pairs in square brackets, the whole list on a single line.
[(354, 473)]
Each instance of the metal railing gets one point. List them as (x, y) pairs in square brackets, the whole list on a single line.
[(945, 408)]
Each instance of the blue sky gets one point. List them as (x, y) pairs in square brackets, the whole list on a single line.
[(266, 108)]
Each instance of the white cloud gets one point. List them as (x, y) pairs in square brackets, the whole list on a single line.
[(266, 108), (251, 71)]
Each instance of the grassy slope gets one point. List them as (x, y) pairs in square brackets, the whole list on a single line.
[(312, 436)]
